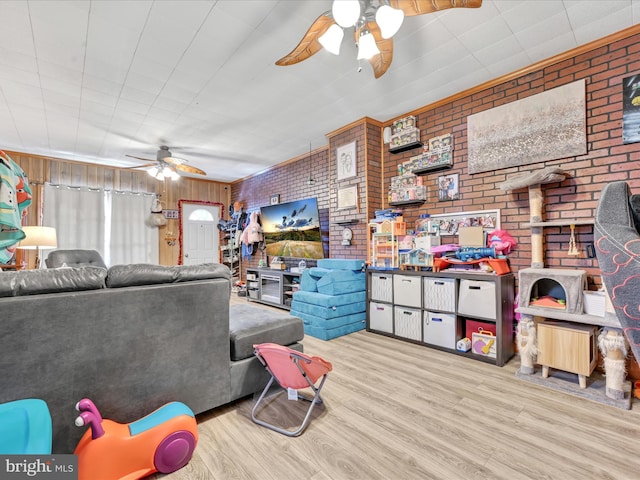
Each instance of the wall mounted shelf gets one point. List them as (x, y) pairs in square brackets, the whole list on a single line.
[(434, 168), (404, 148), (346, 222), (407, 202), (559, 223)]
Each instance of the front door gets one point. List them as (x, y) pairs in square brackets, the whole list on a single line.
[(199, 238)]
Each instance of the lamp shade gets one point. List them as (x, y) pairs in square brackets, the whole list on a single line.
[(389, 20), (38, 237), (345, 12), (367, 47), (331, 40)]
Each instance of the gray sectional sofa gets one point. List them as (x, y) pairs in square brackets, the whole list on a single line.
[(131, 338)]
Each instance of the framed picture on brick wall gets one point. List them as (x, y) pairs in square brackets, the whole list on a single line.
[(346, 161)]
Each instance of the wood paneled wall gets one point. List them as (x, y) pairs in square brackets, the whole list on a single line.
[(41, 170)]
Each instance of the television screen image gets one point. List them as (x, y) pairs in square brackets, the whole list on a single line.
[(292, 229)]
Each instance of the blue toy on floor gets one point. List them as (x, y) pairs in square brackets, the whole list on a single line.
[(25, 427)]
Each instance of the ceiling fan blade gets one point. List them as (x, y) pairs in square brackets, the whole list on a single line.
[(189, 169), (146, 165), (309, 45), (420, 7), (382, 61), (143, 159)]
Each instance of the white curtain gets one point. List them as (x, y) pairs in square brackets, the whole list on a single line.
[(78, 215), (131, 239), (114, 224)]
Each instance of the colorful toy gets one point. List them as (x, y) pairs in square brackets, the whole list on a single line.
[(25, 427), (163, 441)]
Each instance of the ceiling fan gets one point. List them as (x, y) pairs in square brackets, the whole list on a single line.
[(166, 165), (374, 21)]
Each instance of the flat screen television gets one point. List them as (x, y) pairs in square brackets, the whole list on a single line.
[(292, 229)]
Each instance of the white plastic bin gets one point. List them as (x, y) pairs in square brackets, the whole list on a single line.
[(381, 317), (440, 294), (406, 290), (477, 299), (408, 323), (382, 287), (440, 329)]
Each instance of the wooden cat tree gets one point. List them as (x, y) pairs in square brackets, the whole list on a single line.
[(611, 340)]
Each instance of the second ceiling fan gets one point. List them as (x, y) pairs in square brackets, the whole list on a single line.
[(166, 165)]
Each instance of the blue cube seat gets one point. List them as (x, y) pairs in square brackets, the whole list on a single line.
[(332, 298)]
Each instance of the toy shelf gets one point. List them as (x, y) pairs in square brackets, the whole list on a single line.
[(404, 148)]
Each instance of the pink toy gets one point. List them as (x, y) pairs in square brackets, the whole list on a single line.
[(163, 441), (501, 241)]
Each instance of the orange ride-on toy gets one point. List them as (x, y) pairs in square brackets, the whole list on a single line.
[(163, 441)]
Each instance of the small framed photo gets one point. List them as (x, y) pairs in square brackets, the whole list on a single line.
[(348, 197), (346, 161), (448, 187), (274, 199)]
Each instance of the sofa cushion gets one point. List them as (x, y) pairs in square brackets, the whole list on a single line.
[(339, 282), (138, 274), (308, 283), (74, 258), (147, 274), (34, 282), (249, 325), (341, 264)]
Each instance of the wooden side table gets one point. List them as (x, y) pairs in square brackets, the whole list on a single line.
[(568, 347)]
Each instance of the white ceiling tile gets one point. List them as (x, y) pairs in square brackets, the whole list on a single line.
[(461, 20), (507, 64), (101, 85), (549, 47), (138, 95), (93, 97), (485, 34), (599, 27), (144, 83), (581, 16), (130, 106), (166, 103), (111, 12), (499, 50), (19, 95), (523, 15), (20, 61), (19, 76), (16, 27)]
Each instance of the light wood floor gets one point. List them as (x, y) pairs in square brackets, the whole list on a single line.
[(395, 410)]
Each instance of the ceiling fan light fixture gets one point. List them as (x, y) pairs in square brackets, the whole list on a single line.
[(389, 20), (367, 47), (345, 12), (331, 40), (153, 171)]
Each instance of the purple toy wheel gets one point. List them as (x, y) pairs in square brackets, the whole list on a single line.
[(174, 452)]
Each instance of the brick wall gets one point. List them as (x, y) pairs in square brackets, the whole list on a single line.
[(607, 159)]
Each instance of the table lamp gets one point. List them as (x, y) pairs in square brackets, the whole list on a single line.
[(37, 238)]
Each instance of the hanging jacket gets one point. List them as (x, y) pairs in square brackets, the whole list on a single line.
[(253, 232), (15, 197)]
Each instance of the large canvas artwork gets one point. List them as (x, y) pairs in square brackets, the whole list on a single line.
[(546, 126), (631, 109)]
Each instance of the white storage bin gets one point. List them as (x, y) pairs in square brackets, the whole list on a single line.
[(440, 294), (440, 329), (477, 299), (594, 303), (408, 323), (381, 317), (406, 290), (382, 287)]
